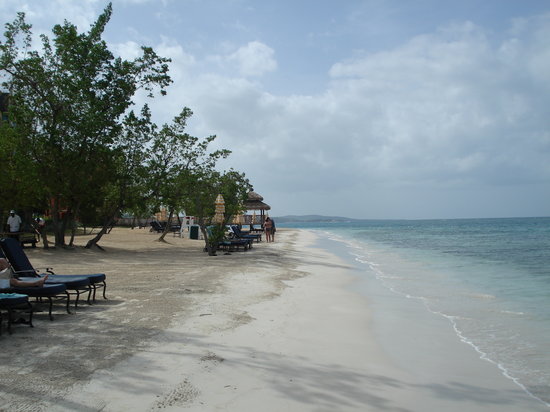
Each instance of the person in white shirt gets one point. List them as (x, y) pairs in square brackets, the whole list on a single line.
[(14, 222)]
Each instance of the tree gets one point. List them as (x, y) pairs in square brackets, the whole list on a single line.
[(175, 159), (127, 188), (19, 179), (68, 100), (234, 186), (200, 198)]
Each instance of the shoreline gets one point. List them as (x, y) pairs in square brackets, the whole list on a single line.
[(396, 310), (280, 327), (407, 303)]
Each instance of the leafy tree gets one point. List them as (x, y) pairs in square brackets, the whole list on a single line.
[(176, 156), (200, 198), (127, 188), (67, 100), (234, 186), (19, 179)]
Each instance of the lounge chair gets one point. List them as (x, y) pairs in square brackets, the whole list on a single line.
[(230, 244), (240, 235), (12, 303), (160, 226), (256, 229), (157, 227), (76, 284), (49, 292)]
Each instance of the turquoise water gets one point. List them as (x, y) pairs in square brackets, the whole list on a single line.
[(489, 277)]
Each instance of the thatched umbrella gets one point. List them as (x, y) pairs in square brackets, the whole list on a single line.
[(220, 210)]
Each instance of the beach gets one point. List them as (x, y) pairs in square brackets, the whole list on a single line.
[(279, 327)]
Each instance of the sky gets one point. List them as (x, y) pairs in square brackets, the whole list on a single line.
[(374, 109)]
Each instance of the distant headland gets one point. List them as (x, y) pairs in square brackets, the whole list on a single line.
[(311, 218)]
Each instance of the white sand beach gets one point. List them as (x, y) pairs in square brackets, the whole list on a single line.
[(278, 328)]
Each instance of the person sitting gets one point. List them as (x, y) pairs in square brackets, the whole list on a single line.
[(7, 279)]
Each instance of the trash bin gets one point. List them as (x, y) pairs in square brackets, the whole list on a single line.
[(194, 232)]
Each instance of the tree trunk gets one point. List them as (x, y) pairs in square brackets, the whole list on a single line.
[(93, 242), (73, 226), (73, 232), (45, 238), (59, 235), (167, 227)]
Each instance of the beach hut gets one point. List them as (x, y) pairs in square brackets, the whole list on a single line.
[(255, 203)]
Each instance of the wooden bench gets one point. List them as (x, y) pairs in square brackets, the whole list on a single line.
[(24, 238)]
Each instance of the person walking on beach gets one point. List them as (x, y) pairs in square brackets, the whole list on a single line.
[(14, 222), (268, 226)]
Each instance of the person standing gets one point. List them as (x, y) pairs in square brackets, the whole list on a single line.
[(273, 230), (14, 222), (268, 226)]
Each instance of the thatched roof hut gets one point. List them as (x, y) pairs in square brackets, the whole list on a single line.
[(255, 202)]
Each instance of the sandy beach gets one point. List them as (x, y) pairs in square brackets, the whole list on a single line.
[(280, 327)]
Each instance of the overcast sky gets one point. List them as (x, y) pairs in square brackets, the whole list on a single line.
[(366, 109)]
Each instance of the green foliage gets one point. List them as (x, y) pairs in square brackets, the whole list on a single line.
[(201, 195), (72, 145), (20, 179), (177, 160), (234, 187), (216, 233), (67, 101)]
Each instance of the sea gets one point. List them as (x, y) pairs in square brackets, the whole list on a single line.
[(489, 278)]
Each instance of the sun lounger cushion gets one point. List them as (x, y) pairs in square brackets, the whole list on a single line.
[(12, 299), (39, 291), (72, 282)]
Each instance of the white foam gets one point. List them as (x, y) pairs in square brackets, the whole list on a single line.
[(511, 312), (386, 278)]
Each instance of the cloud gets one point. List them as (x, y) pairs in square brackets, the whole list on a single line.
[(46, 14), (454, 114), (451, 109), (254, 59)]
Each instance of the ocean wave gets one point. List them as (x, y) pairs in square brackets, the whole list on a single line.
[(481, 296), (511, 312)]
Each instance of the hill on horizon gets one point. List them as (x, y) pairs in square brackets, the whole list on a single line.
[(311, 218)]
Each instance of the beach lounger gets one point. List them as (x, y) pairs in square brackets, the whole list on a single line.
[(240, 235), (231, 245), (157, 227), (48, 292), (12, 303), (76, 284), (160, 226)]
